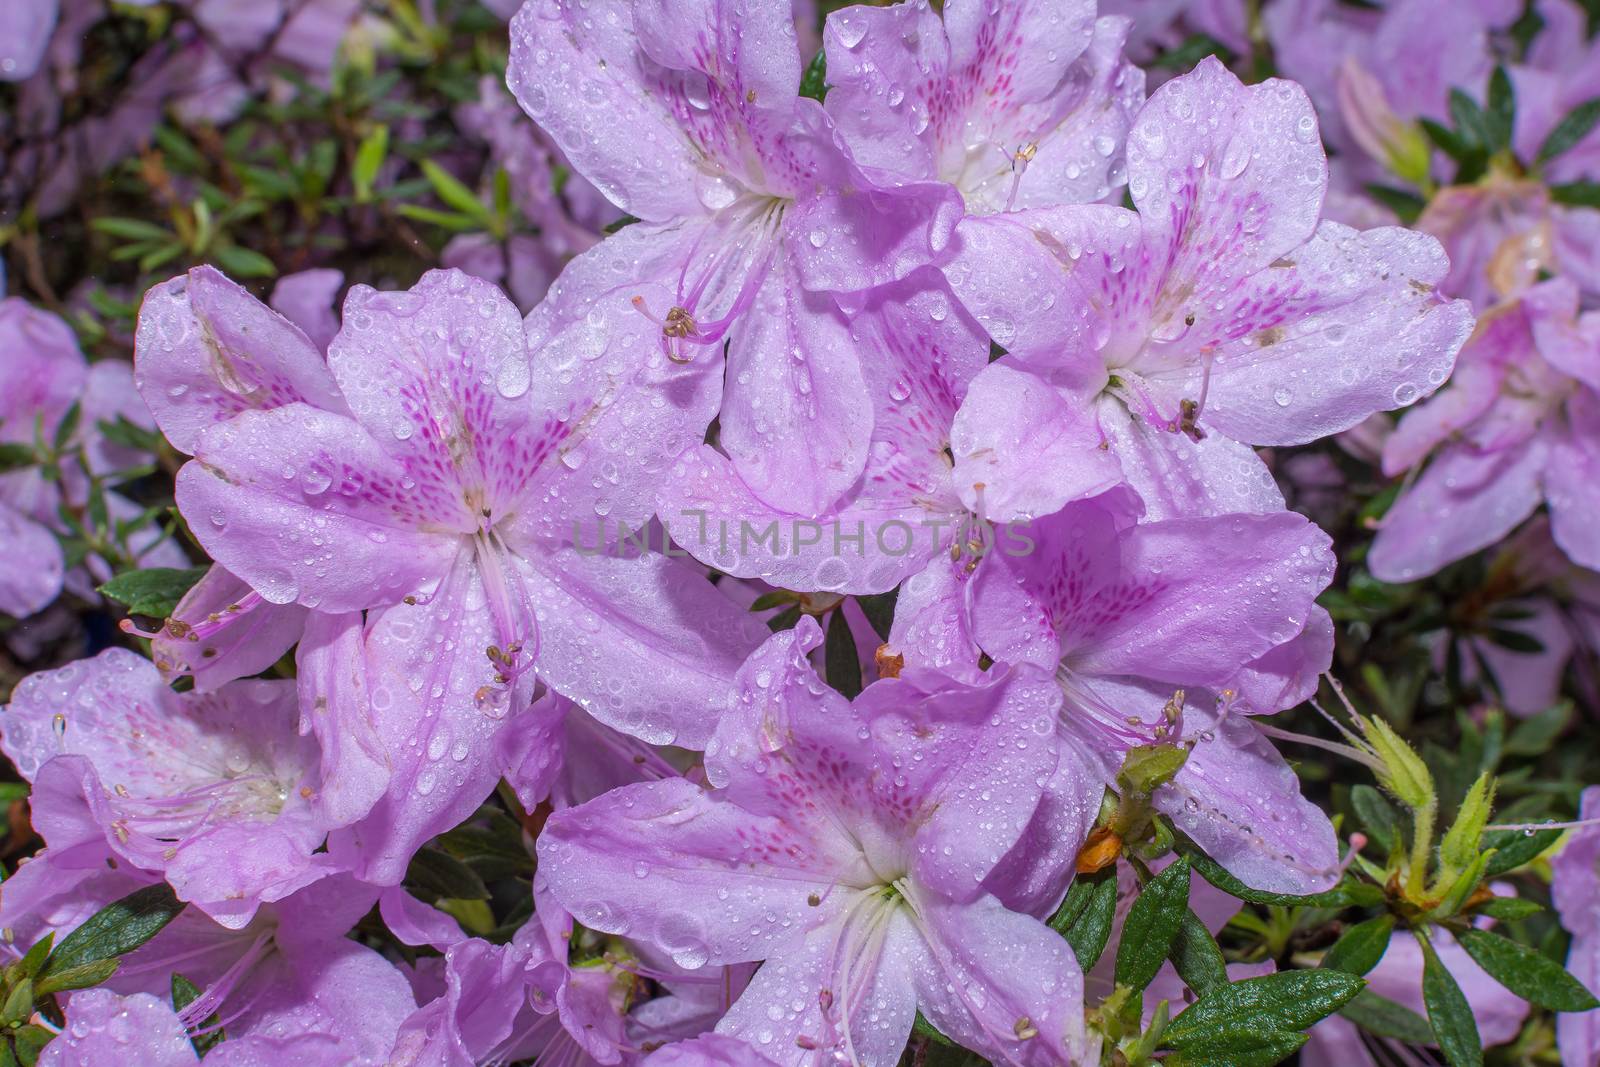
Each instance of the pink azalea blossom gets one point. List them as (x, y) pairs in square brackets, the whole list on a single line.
[(847, 845), (1517, 428), (718, 156), (1575, 888), (1220, 314)]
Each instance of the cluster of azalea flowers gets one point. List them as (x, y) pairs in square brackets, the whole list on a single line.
[(995, 323)]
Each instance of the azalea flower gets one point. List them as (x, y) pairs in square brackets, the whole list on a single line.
[(1219, 315), (1516, 428), (689, 119), (1576, 894), (436, 473), (1017, 106), (847, 845), (215, 792), (1176, 631)]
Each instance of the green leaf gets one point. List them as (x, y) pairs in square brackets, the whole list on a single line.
[(921, 1027), (1471, 124), (1508, 909), (1515, 847), (450, 189), (768, 601), (1196, 956), (1515, 641), (1152, 926), (1449, 1014), (1375, 813), (1382, 1016), (154, 591), (1526, 973), (1570, 130), (1192, 51), (1361, 947), (1577, 194), (839, 653), (81, 977), (184, 993), (434, 874), (626, 220), (879, 610), (243, 262), (1406, 205), (1288, 1001), (129, 434), (1534, 735), (29, 965), (116, 929), (1244, 1046), (1501, 113), (374, 149), (1449, 142), (447, 219), (18, 1005), (1346, 894), (28, 1041), (814, 82), (1085, 918), (12, 791), (131, 229), (67, 426), (14, 456)]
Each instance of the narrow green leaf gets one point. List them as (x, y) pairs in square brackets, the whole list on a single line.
[(1449, 1014), (1527, 973), (1244, 1046), (1361, 946), (374, 149), (1509, 909), (1515, 641), (1346, 894), (154, 591), (921, 1027), (80, 977), (67, 426), (626, 220), (1289, 1001), (1382, 1016), (814, 82), (1196, 956), (1570, 130), (1577, 194), (1152, 925), (131, 229), (879, 610), (1407, 206), (1446, 139), (30, 964), (243, 262), (449, 220), (1470, 122), (1513, 848), (1375, 813), (184, 993), (18, 1005), (1534, 735), (116, 929), (1085, 918), (1500, 116), (840, 657), (434, 874), (14, 455), (457, 195)]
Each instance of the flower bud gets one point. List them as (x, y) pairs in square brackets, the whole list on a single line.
[(1398, 144), (1403, 773)]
